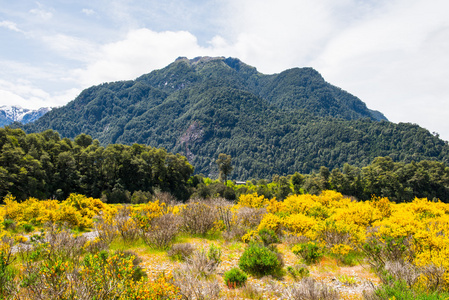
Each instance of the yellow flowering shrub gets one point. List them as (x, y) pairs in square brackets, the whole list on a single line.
[(143, 214), (296, 204), (76, 211), (299, 224), (331, 232), (333, 199), (341, 249), (423, 208), (250, 236), (401, 223), (12, 209), (253, 200), (271, 222), (383, 205), (359, 213), (275, 206), (88, 207)]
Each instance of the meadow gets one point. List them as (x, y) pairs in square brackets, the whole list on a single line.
[(324, 246)]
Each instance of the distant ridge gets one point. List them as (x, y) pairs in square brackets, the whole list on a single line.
[(269, 124), (11, 114)]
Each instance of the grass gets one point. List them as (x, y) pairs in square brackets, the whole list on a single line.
[(347, 280)]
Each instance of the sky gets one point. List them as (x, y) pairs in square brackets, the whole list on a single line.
[(392, 54)]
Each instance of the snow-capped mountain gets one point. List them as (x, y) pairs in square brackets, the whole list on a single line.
[(10, 114)]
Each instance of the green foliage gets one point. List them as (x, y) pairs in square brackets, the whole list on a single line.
[(224, 166), (214, 254), (310, 252), (235, 278), (268, 236), (398, 289), (259, 261), (298, 272), (28, 228)]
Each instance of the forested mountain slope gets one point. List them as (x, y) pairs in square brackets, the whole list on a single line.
[(269, 124)]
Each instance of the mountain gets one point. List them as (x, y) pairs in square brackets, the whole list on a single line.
[(11, 114), (269, 124)]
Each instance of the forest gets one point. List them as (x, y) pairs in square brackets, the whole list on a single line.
[(45, 166)]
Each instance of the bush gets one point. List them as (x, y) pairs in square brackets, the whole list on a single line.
[(308, 288), (198, 217), (162, 231), (181, 252), (9, 224), (298, 272), (310, 252), (192, 287), (7, 284), (268, 236), (214, 254), (126, 226), (202, 264), (235, 278), (259, 261), (28, 228)]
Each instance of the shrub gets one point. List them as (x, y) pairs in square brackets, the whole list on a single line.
[(28, 228), (379, 250), (259, 261), (214, 254), (181, 252), (298, 272), (310, 252), (198, 217), (61, 244), (126, 226), (309, 289), (203, 264), (9, 224), (193, 287), (268, 236), (7, 284), (253, 201), (235, 278), (139, 197), (106, 227), (162, 231), (224, 211)]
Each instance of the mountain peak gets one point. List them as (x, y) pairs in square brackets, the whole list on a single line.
[(199, 59), (15, 113)]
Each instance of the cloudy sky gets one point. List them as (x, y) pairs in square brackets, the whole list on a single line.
[(392, 54)]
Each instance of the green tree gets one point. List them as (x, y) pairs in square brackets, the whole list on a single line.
[(297, 182), (224, 166)]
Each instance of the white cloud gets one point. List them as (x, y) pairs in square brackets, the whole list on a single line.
[(140, 52), (26, 95), (10, 25), (71, 47), (42, 13), (396, 62), (88, 11)]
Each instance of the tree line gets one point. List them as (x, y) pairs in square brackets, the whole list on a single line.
[(398, 181), (45, 166)]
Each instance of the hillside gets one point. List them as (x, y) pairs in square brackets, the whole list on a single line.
[(269, 124)]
